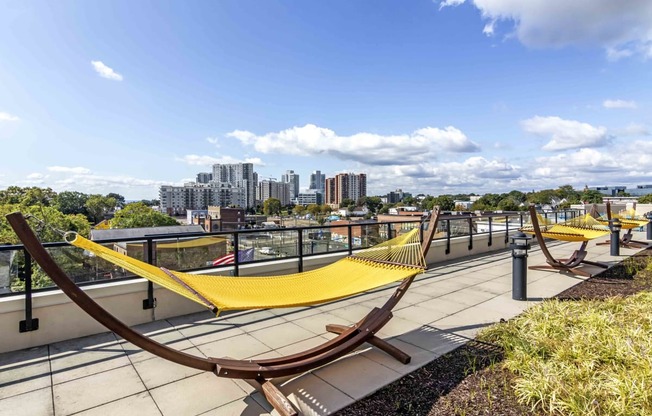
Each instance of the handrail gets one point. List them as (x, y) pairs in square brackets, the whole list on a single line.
[(301, 253)]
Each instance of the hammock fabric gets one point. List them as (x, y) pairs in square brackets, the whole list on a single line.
[(583, 228), (388, 262), (628, 219)]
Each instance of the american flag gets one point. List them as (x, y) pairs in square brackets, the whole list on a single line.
[(243, 255)]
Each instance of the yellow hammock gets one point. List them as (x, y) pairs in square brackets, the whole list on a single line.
[(628, 219), (582, 228), (391, 261)]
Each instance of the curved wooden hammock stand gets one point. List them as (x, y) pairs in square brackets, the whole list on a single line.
[(569, 265), (348, 339), (626, 240)]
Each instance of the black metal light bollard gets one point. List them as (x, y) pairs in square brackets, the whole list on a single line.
[(520, 245), (615, 226), (649, 225)]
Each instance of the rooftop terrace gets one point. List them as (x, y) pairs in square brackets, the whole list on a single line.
[(445, 307)]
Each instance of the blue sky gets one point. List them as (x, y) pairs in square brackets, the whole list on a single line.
[(428, 96)]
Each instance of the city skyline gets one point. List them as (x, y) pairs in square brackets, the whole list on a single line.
[(434, 97)]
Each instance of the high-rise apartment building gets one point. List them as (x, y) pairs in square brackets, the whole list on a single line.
[(175, 200), (293, 179), (318, 181), (345, 186), (272, 189), (239, 175), (204, 177)]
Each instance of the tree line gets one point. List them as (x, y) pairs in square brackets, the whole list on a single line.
[(51, 212)]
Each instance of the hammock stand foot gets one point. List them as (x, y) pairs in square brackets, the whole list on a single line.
[(379, 343), (563, 269), (276, 398)]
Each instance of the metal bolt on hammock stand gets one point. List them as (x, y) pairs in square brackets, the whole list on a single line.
[(615, 227), (520, 245)]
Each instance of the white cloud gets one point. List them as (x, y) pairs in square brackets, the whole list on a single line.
[(621, 28), (8, 117), (566, 134), (214, 141), (36, 176), (65, 169), (368, 148), (634, 129), (202, 160), (105, 72), (618, 104)]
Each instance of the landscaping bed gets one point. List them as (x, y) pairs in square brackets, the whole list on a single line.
[(474, 379)]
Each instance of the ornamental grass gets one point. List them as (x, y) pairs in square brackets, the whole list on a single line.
[(582, 357)]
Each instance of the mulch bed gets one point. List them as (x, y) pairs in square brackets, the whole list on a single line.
[(470, 380)]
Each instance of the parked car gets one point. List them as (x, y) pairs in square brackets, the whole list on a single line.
[(267, 250)]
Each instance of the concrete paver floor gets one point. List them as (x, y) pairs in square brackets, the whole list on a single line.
[(105, 375)]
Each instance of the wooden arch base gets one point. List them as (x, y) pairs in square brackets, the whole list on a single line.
[(259, 371), (627, 240), (569, 265)]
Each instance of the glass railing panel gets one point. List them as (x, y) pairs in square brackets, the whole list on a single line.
[(182, 253), (6, 275)]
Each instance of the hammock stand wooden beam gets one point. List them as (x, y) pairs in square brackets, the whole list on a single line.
[(626, 241), (569, 265), (261, 371)]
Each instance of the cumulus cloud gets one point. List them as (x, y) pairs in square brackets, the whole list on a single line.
[(202, 160), (105, 72), (621, 28), (618, 104), (584, 163), (8, 117), (472, 174), (566, 134), (65, 169), (634, 129), (368, 148)]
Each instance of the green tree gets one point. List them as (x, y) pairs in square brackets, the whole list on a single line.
[(137, 214), (272, 206), (119, 199), (346, 202), (517, 196), (445, 203), (591, 196), (568, 193), (97, 206), (645, 199), (71, 202), (299, 210), (27, 196), (373, 203), (542, 197), (508, 204), (48, 222), (487, 202)]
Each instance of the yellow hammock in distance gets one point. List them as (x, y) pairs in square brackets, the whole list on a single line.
[(391, 261), (579, 229), (628, 219)]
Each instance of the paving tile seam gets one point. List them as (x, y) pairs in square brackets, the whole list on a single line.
[(113, 401), (51, 380), (143, 382)]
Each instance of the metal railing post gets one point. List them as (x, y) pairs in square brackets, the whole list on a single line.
[(448, 236), (300, 243), (150, 302), (470, 233), (30, 323), (490, 233), (236, 252), (506, 229), (350, 229)]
